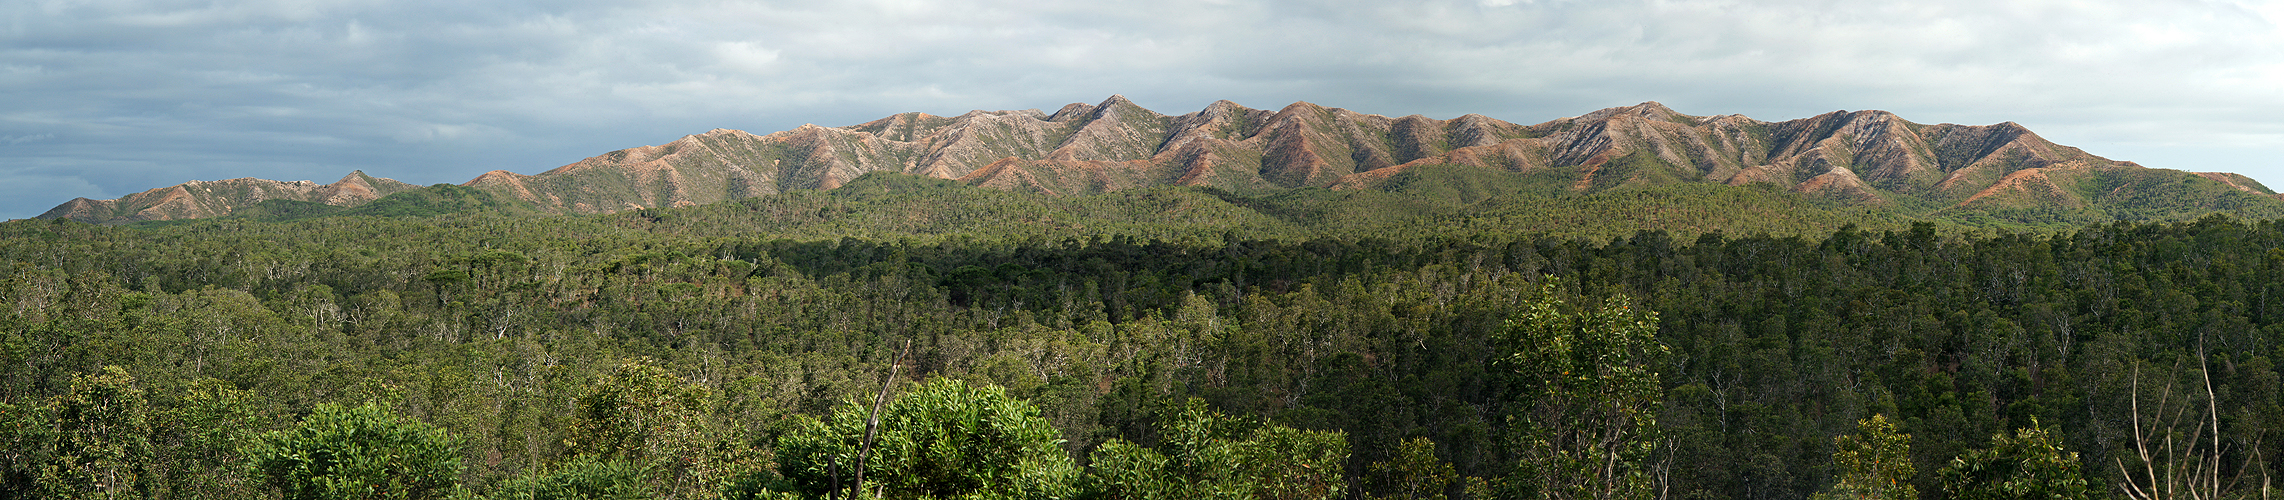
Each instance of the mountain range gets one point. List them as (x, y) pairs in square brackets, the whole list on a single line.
[(1872, 158)]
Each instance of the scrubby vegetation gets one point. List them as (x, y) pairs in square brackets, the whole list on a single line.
[(942, 341)]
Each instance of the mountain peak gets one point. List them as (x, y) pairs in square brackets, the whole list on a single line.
[(1648, 110), (1116, 105), (1303, 106), (1650, 107), (1652, 110), (1070, 110)]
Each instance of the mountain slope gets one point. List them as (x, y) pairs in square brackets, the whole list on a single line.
[(202, 199), (1870, 157), (1873, 158), (428, 201)]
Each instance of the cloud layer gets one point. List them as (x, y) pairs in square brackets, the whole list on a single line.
[(108, 97)]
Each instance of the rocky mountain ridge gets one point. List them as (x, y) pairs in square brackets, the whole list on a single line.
[(202, 199), (1871, 157)]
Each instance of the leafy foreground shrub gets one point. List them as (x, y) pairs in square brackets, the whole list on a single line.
[(945, 439), (2028, 465), (1875, 463), (647, 425), (364, 452), (1204, 454)]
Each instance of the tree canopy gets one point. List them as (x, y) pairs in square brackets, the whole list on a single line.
[(1148, 338)]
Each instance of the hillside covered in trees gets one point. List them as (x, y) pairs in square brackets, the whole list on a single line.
[(1431, 341)]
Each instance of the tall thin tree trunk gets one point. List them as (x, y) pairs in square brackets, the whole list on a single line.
[(872, 423)]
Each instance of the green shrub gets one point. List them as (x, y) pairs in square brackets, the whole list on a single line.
[(363, 452)]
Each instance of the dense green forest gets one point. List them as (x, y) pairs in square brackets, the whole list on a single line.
[(1162, 343)]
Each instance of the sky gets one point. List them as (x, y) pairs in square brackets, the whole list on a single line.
[(103, 98)]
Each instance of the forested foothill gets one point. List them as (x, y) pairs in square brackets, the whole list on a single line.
[(905, 338)]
